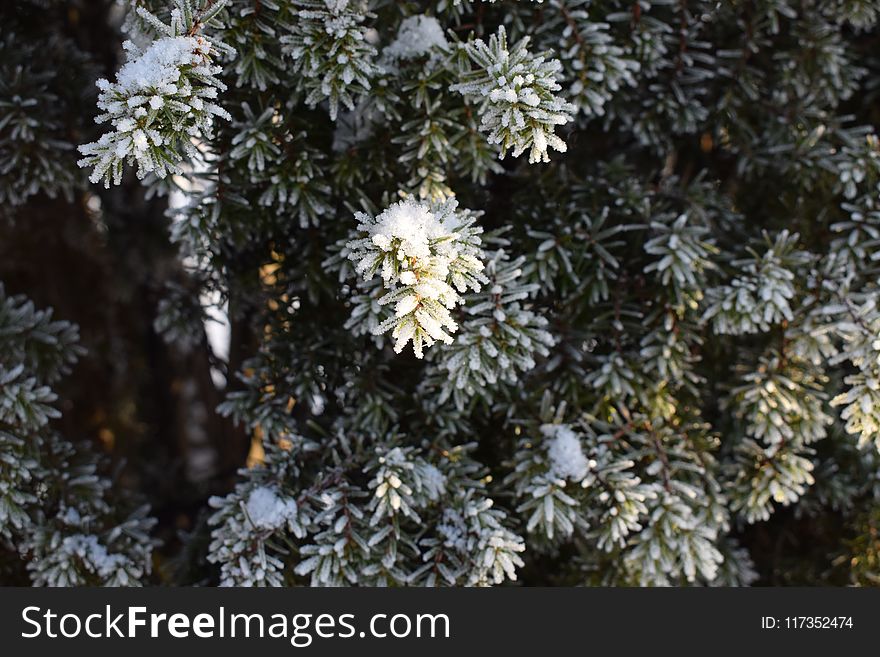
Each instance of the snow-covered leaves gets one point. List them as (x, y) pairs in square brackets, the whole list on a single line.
[(640, 252), (418, 35), (427, 255), (677, 541), (761, 295), (402, 484), (287, 170), (75, 548), (861, 407), (162, 99), (54, 506), (632, 489), (35, 124), (570, 479), (858, 326), (330, 51), (247, 522), (761, 478), (682, 250), (783, 408), (501, 338), (783, 401), (595, 64), (423, 518), (516, 92)]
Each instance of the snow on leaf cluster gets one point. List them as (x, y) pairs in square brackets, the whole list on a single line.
[(567, 460), (418, 35), (422, 517), (427, 255), (330, 50), (516, 92), (162, 99), (247, 524)]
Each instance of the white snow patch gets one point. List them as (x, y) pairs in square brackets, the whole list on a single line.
[(268, 511), (567, 460), (159, 65), (417, 36), (413, 224)]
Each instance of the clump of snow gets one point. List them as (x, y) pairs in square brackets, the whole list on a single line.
[(159, 65), (567, 459), (268, 511), (423, 250), (417, 36), (407, 226), (175, 75)]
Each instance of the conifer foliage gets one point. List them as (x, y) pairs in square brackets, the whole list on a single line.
[(569, 292)]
